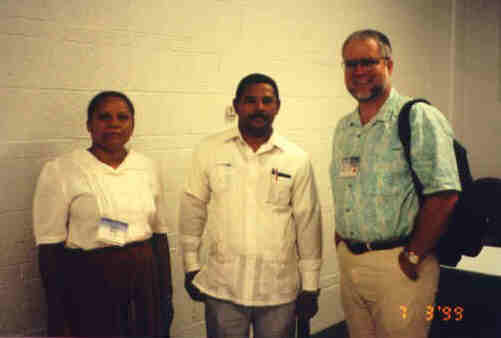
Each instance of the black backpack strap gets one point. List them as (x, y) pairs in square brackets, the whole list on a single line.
[(404, 133)]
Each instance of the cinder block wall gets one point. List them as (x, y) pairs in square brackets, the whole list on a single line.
[(478, 84), (180, 61)]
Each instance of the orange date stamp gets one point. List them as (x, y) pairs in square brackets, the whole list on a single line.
[(444, 312)]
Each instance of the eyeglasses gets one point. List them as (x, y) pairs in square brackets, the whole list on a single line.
[(368, 63)]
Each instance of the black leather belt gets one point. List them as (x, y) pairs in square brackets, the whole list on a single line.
[(358, 248)]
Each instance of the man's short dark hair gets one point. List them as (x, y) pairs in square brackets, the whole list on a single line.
[(381, 39), (102, 96), (253, 79)]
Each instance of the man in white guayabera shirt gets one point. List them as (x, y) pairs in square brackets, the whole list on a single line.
[(264, 231)]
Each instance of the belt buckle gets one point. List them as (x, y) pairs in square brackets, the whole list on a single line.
[(368, 246)]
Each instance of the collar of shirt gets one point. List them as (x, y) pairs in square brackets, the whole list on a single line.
[(130, 162), (275, 140), (386, 113)]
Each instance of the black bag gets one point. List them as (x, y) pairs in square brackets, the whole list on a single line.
[(462, 236), (477, 217)]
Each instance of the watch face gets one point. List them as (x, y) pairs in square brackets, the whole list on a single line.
[(413, 258)]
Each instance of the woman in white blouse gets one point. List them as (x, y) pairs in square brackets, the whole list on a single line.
[(102, 245)]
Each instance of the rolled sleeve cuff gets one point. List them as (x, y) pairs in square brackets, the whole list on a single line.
[(442, 187), (160, 230)]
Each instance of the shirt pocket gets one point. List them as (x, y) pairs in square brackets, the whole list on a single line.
[(388, 174), (219, 267), (278, 278), (279, 190), (221, 176)]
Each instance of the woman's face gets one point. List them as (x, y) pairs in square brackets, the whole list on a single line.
[(111, 125)]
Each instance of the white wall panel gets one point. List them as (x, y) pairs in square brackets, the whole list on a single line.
[(476, 94)]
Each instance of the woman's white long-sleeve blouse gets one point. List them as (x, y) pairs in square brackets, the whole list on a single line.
[(75, 191)]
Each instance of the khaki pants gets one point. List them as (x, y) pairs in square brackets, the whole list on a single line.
[(379, 300)]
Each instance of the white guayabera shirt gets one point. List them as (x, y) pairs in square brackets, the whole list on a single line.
[(264, 230)]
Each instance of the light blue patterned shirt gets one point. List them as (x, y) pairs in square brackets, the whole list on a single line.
[(373, 191)]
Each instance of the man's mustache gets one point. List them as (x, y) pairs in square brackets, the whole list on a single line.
[(258, 115)]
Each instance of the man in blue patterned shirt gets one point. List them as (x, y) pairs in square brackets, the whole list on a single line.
[(384, 238)]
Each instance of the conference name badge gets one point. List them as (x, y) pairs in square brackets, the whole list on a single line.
[(112, 231), (350, 166)]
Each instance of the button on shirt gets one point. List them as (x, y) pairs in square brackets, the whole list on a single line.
[(76, 190), (379, 202), (263, 233)]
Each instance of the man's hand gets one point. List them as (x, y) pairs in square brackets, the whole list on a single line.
[(307, 304), (410, 270), (192, 290)]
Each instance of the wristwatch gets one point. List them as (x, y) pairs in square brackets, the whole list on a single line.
[(412, 257)]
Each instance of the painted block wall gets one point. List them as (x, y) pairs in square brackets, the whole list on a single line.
[(180, 61), (478, 83)]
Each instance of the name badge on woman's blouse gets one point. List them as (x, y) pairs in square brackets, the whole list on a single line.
[(350, 166), (112, 231)]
